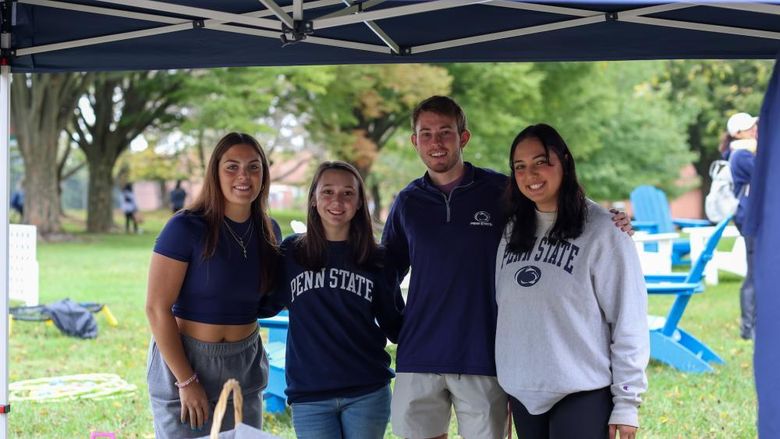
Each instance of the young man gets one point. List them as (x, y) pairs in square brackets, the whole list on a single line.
[(447, 226)]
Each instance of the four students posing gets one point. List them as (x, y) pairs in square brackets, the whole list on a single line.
[(342, 294)]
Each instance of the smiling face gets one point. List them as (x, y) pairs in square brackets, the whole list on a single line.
[(337, 200), (240, 179), (538, 174), (440, 145)]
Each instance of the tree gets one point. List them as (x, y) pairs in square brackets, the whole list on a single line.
[(499, 99), (250, 100), (362, 107), (42, 106), (117, 108), (621, 134), (153, 164), (705, 93)]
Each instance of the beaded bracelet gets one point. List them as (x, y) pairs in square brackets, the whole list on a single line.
[(187, 382)]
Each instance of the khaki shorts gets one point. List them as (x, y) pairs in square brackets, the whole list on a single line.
[(422, 403)]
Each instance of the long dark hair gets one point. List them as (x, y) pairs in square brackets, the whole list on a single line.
[(311, 247), (572, 206), (211, 204)]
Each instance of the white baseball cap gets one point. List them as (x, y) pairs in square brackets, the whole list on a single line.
[(740, 122)]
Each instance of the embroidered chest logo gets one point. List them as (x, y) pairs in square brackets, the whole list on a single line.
[(528, 276), (481, 218)]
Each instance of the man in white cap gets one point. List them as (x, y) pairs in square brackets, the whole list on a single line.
[(743, 129)]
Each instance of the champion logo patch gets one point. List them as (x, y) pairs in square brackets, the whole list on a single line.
[(481, 218), (528, 276)]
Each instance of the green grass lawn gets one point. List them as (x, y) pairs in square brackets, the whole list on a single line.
[(112, 268)]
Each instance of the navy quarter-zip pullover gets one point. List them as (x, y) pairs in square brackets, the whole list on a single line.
[(450, 242)]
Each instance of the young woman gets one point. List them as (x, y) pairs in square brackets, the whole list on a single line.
[(129, 208), (342, 307), (211, 266), (572, 338)]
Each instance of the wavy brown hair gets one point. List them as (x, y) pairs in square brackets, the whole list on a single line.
[(311, 247), (210, 203)]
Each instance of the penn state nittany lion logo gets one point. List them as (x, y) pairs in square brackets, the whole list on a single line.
[(481, 218), (528, 276)]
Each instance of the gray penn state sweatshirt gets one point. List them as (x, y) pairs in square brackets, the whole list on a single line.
[(572, 317)]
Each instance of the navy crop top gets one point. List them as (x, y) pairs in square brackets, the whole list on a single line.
[(223, 289)]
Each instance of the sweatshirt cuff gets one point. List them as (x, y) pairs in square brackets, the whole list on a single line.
[(624, 414)]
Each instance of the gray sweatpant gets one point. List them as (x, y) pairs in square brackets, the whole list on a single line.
[(214, 363)]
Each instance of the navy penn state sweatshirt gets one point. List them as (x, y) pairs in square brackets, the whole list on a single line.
[(340, 319), (450, 242)]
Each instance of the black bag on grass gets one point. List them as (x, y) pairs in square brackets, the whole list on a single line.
[(72, 319)]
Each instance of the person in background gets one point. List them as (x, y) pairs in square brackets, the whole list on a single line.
[(212, 264), (572, 341), (743, 130), (342, 307), (129, 208), (17, 199), (177, 197)]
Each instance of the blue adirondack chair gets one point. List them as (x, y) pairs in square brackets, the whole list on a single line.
[(275, 398), (651, 214), (669, 343)]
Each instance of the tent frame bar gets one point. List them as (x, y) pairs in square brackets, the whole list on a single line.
[(285, 25), (180, 25)]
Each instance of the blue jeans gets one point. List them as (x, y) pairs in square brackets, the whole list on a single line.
[(360, 417)]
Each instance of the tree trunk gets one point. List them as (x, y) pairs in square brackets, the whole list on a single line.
[(377, 196), (165, 202), (41, 185), (41, 106), (100, 205)]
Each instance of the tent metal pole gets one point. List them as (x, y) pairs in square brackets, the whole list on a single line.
[(361, 6), (104, 39), (399, 11), (183, 25), (380, 33), (158, 18), (297, 10), (5, 182), (197, 12), (597, 18), (702, 27), (344, 44), (539, 7), (749, 7), (279, 12), (102, 11)]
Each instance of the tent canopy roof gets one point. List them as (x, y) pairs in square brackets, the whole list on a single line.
[(58, 35)]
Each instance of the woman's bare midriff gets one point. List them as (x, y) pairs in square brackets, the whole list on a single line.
[(210, 333)]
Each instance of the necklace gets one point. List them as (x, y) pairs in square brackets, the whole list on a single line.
[(240, 240)]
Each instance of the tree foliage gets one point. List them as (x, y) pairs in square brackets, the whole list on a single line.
[(116, 109), (362, 107), (703, 94), (249, 100), (42, 106), (621, 133)]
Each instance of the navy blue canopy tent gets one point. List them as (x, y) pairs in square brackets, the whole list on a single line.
[(102, 35)]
